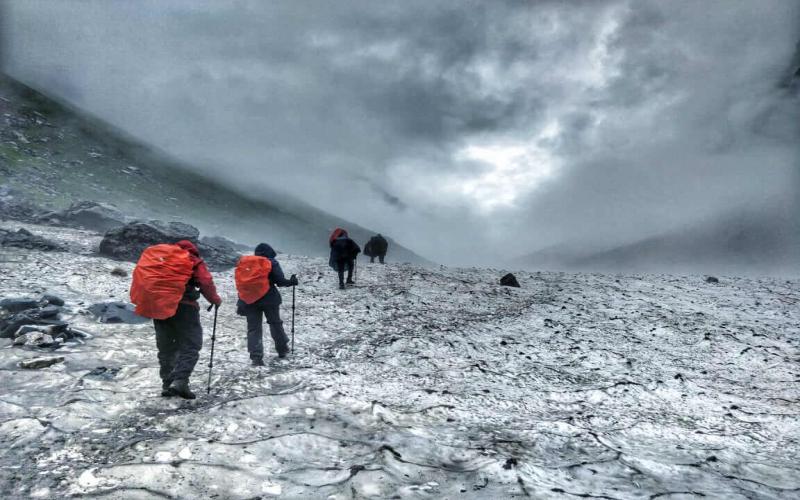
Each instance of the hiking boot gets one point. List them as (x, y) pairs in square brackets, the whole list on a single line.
[(257, 361), (341, 286), (283, 355), (180, 388), (165, 390), (351, 282)]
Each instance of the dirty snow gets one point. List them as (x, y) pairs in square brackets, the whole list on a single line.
[(418, 383)]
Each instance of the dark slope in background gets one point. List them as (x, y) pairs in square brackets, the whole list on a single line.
[(763, 240), (54, 155)]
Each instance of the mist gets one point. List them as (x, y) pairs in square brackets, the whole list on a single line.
[(471, 132)]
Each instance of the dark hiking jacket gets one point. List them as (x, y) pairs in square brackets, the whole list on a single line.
[(376, 246), (343, 249)]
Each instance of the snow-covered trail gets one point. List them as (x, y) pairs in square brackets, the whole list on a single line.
[(429, 383)]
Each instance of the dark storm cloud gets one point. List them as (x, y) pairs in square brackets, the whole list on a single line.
[(453, 125)]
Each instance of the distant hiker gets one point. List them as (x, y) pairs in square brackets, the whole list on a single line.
[(343, 255), (165, 288), (257, 279), (376, 247)]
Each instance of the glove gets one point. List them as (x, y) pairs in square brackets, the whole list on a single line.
[(293, 280), (218, 302)]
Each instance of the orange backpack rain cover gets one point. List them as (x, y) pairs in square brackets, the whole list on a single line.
[(252, 277), (159, 280)]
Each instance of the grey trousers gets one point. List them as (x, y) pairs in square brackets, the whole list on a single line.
[(255, 344), (179, 340)]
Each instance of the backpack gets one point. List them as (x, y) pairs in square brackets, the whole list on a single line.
[(252, 277), (336, 234), (159, 280)]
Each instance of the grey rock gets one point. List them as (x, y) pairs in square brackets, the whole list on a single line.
[(88, 215), (23, 238), (118, 271), (712, 279), (128, 242), (46, 329), (34, 339), (53, 299), (49, 311), (116, 312), (16, 305), (103, 373), (43, 362), (224, 244), (9, 325), (509, 280)]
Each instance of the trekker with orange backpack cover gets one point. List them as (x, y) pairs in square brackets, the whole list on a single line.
[(165, 288), (257, 279)]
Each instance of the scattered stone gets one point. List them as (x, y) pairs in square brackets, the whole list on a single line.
[(103, 373), (53, 300), (45, 329), (116, 312), (118, 271), (712, 279), (23, 238), (86, 215), (34, 339), (43, 362), (19, 304), (9, 325), (509, 280), (128, 242), (49, 311)]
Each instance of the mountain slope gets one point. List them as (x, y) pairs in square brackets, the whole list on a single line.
[(763, 240), (54, 155)]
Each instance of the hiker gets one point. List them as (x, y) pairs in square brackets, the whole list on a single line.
[(268, 305), (343, 255), (376, 247), (168, 294)]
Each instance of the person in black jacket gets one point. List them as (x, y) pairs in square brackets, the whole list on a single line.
[(343, 255), (377, 246), (269, 306)]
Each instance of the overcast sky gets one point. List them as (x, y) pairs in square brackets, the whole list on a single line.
[(467, 130)]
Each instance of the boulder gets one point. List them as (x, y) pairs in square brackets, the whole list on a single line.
[(53, 300), (128, 242), (712, 279), (16, 305), (22, 238), (224, 244), (116, 312), (43, 362), (86, 215), (509, 280)]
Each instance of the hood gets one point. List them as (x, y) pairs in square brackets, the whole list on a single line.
[(264, 250), (189, 247)]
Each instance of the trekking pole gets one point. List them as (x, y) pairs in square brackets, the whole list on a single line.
[(213, 339), (293, 287)]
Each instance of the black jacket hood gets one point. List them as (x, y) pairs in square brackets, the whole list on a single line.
[(264, 250)]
